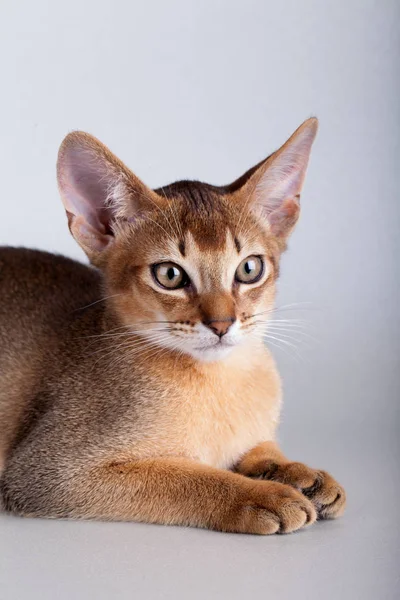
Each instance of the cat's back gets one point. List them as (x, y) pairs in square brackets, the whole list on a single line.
[(33, 280), (39, 293)]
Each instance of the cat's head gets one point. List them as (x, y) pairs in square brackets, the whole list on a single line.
[(190, 266)]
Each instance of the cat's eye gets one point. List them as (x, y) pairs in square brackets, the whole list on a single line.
[(250, 270), (170, 276)]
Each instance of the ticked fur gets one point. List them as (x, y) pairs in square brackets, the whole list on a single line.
[(124, 398)]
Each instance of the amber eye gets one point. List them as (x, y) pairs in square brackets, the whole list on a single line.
[(250, 270), (170, 276)]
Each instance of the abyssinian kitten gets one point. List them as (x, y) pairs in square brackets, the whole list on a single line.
[(140, 388)]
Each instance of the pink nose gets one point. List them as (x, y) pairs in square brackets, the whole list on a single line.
[(220, 327)]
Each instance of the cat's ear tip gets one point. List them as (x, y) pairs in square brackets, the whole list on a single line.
[(313, 120), (311, 125), (73, 136), (305, 134), (72, 148), (77, 138)]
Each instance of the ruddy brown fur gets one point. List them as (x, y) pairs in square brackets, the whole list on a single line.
[(123, 400)]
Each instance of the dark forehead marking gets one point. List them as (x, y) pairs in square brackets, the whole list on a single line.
[(181, 247), (237, 244), (202, 211), (199, 197)]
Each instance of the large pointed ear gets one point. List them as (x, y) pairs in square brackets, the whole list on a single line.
[(97, 190), (273, 187)]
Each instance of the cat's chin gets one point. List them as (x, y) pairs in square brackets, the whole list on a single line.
[(212, 353)]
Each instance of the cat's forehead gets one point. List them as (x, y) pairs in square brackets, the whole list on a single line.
[(200, 196), (202, 211), (196, 250), (207, 225)]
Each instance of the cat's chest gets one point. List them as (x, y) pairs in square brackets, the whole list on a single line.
[(216, 421), (229, 422)]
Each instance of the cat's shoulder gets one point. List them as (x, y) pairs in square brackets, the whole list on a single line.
[(39, 274), (18, 260)]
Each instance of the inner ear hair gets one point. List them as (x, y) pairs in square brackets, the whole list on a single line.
[(97, 189), (272, 188)]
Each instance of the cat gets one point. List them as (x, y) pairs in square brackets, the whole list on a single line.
[(139, 388)]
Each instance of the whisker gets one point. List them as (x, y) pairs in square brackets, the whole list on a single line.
[(304, 336), (135, 341), (246, 204), (276, 342), (306, 341), (131, 327), (289, 327), (172, 211), (130, 345), (285, 307), (163, 228), (283, 323), (129, 333), (97, 301)]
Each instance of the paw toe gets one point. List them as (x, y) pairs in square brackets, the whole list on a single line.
[(319, 487)]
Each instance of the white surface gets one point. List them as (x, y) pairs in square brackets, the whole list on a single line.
[(349, 559)]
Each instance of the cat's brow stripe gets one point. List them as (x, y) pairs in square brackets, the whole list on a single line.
[(182, 248)]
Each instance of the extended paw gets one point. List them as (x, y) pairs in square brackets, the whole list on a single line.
[(269, 508), (326, 494)]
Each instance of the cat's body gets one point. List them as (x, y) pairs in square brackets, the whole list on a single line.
[(108, 409), (56, 306)]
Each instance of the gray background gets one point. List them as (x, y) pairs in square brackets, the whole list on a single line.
[(205, 89)]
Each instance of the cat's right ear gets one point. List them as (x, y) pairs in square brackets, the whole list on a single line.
[(97, 190)]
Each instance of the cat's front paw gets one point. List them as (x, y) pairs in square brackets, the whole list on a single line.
[(326, 494), (266, 508)]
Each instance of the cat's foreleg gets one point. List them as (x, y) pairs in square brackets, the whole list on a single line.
[(167, 490)]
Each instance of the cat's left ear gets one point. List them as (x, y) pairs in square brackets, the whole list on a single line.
[(273, 187)]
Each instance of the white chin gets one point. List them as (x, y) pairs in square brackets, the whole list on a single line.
[(212, 353)]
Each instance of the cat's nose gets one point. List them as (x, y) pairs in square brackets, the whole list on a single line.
[(220, 327)]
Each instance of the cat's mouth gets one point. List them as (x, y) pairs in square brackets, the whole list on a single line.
[(218, 345)]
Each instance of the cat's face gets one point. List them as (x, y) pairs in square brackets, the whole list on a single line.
[(192, 277), (190, 267)]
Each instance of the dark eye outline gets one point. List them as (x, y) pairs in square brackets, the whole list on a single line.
[(258, 276), (185, 282)]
